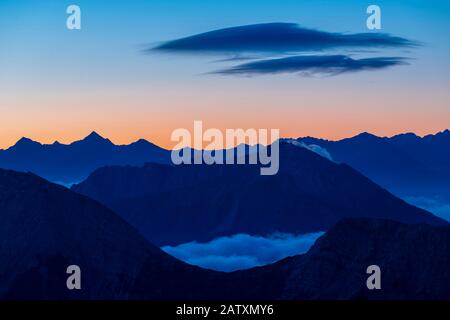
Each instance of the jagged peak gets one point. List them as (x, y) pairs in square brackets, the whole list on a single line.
[(141, 142), (406, 134), (94, 137), (441, 134), (24, 141), (366, 135)]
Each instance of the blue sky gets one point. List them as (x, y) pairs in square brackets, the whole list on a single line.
[(60, 84)]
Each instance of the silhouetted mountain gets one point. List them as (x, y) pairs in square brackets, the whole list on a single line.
[(432, 150), (45, 227), (413, 259), (177, 204), (405, 164), (74, 162)]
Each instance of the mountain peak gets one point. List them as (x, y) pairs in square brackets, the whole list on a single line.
[(445, 134), (407, 134), (94, 137), (141, 142), (26, 142), (365, 136), (405, 137)]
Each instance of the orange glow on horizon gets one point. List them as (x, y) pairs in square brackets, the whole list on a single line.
[(161, 136), (127, 118)]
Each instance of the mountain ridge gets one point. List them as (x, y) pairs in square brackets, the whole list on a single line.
[(46, 227), (445, 132), (406, 164), (70, 163), (171, 205)]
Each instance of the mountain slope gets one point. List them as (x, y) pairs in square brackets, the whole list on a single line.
[(172, 205), (45, 227), (74, 162), (413, 260)]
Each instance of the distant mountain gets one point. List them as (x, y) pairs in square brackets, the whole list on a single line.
[(432, 150), (72, 163), (405, 164), (177, 204)]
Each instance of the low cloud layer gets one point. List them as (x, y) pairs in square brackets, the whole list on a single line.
[(312, 65), (284, 38), (242, 251), (312, 147)]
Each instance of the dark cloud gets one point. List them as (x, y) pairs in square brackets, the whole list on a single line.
[(242, 251), (278, 38), (311, 65), (274, 48)]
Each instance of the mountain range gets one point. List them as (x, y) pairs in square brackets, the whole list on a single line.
[(405, 164), (70, 163), (171, 205), (45, 227)]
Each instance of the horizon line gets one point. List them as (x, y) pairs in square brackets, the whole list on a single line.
[(94, 133)]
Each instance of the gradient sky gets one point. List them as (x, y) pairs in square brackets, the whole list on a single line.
[(57, 84)]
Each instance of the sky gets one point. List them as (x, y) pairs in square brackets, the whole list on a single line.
[(60, 84)]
